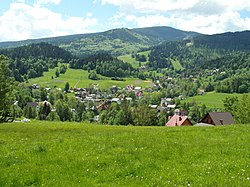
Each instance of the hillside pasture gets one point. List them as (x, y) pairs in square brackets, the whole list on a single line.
[(79, 78), (132, 61), (211, 99), (176, 64), (79, 154)]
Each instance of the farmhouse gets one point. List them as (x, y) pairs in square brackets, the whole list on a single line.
[(217, 118), (178, 120)]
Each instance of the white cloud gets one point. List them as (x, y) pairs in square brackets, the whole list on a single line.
[(157, 6), (45, 2), (205, 16), (24, 21), (230, 21)]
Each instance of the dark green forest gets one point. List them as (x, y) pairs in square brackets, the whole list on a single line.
[(104, 64), (32, 60)]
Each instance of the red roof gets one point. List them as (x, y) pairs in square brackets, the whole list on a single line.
[(176, 120)]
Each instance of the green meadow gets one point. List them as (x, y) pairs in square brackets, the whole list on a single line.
[(78, 154), (132, 61), (177, 65), (79, 78), (211, 99)]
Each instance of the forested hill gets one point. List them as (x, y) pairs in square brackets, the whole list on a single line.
[(32, 60), (239, 41), (41, 50), (116, 41), (195, 57)]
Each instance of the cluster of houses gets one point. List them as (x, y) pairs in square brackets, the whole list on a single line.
[(101, 101), (180, 118)]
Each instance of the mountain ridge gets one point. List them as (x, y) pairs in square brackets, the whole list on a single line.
[(122, 41), (115, 41)]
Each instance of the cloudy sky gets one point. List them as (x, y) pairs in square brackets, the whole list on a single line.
[(26, 19)]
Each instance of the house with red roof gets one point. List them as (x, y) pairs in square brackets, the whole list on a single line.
[(178, 120)]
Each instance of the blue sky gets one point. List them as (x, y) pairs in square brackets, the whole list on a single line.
[(26, 19)]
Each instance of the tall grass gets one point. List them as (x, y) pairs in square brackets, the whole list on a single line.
[(74, 154)]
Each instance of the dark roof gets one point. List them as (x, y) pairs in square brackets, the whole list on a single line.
[(32, 104), (221, 118)]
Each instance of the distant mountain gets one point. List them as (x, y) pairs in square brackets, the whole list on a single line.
[(116, 41), (165, 33)]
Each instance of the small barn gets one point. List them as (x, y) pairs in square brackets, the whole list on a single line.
[(178, 120), (218, 118)]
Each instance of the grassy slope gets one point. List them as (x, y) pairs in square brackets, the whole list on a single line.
[(70, 154), (132, 61), (177, 65), (79, 78), (211, 99)]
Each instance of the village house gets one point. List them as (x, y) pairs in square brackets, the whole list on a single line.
[(216, 118), (33, 105), (35, 86), (180, 118), (113, 89), (165, 101)]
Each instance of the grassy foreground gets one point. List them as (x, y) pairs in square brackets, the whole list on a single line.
[(71, 154)]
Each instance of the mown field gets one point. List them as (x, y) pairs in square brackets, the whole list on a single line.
[(79, 78), (74, 154), (211, 99)]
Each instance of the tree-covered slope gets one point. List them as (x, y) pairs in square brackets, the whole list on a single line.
[(32, 60), (225, 67), (226, 51), (44, 50), (239, 41)]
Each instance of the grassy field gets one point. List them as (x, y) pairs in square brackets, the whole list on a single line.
[(177, 65), (211, 99), (132, 61), (79, 78), (71, 154)]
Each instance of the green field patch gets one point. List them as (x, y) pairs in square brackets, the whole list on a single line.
[(177, 65), (211, 99), (79, 154), (79, 78), (132, 61)]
